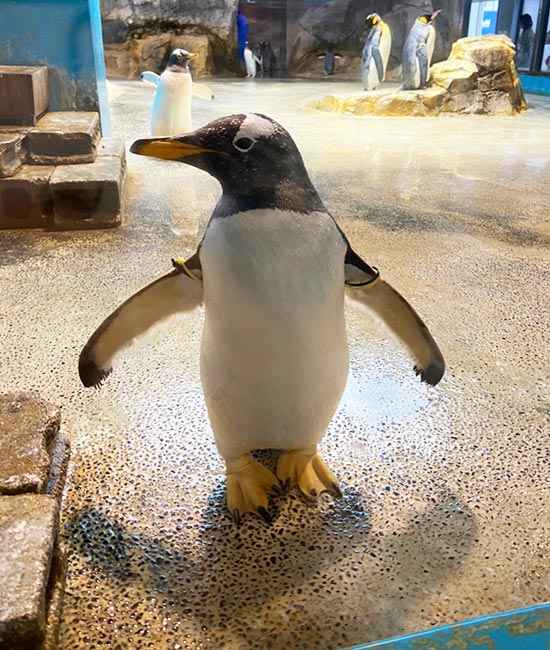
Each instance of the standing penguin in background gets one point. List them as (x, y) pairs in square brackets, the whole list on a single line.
[(376, 53), (171, 113), (250, 60), (418, 51), (271, 270), (329, 60)]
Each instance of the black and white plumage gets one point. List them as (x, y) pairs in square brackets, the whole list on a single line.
[(376, 52), (271, 271), (418, 51), (171, 113)]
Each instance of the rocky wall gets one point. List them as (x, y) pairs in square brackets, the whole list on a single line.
[(341, 23), (139, 34), (162, 25)]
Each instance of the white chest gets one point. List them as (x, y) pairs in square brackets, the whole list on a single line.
[(274, 353)]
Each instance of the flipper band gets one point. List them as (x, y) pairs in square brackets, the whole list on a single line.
[(369, 284), (180, 265)]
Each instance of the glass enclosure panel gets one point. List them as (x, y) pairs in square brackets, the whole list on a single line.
[(546, 52), (483, 17), (526, 38)]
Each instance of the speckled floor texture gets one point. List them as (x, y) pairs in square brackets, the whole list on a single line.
[(446, 506)]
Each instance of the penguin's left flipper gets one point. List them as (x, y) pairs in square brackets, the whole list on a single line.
[(365, 287), (172, 293), (202, 91), (150, 78)]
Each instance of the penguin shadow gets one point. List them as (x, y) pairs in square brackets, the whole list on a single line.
[(216, 573)]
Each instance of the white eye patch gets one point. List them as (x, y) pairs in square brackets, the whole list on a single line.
[(253, 127)]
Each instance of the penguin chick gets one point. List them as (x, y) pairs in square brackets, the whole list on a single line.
[(171, 114), (418, 51), (271, 270)]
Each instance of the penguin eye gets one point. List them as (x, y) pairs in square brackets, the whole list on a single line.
[(244, 144)]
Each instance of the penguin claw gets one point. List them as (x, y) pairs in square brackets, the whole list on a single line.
[(249, 485), (307, 472), (264, 514), (337, 491)]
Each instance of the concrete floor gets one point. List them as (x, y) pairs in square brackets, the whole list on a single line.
[(446, 507)]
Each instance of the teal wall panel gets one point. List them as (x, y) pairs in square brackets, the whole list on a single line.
[(521, 629), (64, 35)]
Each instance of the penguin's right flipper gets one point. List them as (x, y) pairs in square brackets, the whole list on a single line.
[(422, 58), (364, 286), (172, 293), (150, 78), (202, 91), (378, 61)]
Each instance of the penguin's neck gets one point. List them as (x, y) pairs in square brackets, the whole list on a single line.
[(287, 195)]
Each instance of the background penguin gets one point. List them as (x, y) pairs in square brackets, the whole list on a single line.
[(418, 51), (376, 53), (171, 113), (329, 60), (271, 270), (250, 60)]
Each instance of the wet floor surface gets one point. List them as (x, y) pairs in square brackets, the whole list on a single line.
[(446, 506)]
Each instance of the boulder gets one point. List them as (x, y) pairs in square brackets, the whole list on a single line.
[(128, 22), (479, 77), (28, 433), (129, 60), (204, 64)]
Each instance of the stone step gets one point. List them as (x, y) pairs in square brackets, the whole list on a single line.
[(23, 93), (64, 138), (25, 199), (28, 434), (29, 567), (91, 196), (12, 154)]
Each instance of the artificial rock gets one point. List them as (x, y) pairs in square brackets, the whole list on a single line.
[(28, 432), (25, 199), (28, 533), (12, 154), (64, 138), (91, 195), (341, 23), (126, 23), (479, 77)]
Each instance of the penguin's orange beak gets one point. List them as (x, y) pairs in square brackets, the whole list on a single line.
[(169, 148), (192, 55)]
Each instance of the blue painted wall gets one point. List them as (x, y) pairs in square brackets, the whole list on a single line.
[(64, 35), (538, 84)]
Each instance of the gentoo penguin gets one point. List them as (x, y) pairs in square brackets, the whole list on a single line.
[(271, 271), (171, 113), (250, 60), (329, 60), (418, 51), (376, 52)]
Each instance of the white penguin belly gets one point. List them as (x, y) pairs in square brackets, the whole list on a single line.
[(274, 358), (172, 104), (250, 63)]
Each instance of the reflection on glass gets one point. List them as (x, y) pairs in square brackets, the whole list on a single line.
[(526, 38), (483, 17), (546, 52)]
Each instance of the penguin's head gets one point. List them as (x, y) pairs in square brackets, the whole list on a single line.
[(179, 59), (428, 18), (372, 19), (250, 155)]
